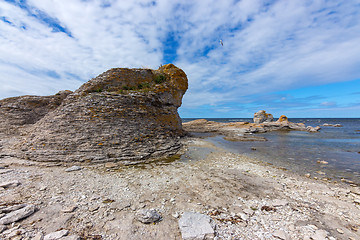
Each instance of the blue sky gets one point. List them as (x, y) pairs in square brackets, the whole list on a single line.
[(298, 58)]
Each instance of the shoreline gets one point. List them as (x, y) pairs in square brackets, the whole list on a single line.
[(246, 198)]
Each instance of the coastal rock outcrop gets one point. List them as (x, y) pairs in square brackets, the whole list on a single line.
[(127, 115), (332, 125), (261, 116), (239, 131)]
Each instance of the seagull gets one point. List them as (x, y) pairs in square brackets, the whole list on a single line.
[(221, 42)]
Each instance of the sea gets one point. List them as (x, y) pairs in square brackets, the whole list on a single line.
[(304, 152)]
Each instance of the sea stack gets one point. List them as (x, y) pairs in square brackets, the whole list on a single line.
[(261, 117), (127, 115)]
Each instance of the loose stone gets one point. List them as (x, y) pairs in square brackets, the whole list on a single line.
[(196, 226), (148, 216), (281, 234), (69, 209), (73, 168)]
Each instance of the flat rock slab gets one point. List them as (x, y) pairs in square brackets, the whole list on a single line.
[(73, 168), (320, 235), (281, 234), (72, 237), (12, 208), (196, 226), (56, 235), (10, 184), (279, 203), (17, 215), (3, 171)]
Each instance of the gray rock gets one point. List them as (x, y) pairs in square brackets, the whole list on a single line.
[(69, 209), (56, 235), (72, 237), (38, 236), (3, 171), (312, 129), (281, 234), (18, 215), (319, 235), (148, 216), (279, 202), (12, 208), (2, 228), (332, 125), (73, 168), (10, 184), (196, 226)]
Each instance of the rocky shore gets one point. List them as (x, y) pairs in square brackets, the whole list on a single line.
[(242, 131), (112, 161), (206, 194)]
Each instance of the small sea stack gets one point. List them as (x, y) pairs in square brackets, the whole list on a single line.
[(126, 115)]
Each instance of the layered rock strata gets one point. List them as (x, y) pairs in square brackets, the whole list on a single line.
[(19, 112), (127, 115)]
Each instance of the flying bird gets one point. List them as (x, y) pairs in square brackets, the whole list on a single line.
[(221, 42)]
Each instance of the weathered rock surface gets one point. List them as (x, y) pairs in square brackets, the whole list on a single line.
[(56, 235), (17, 215), (73, 168), (17, 112), (235, 191), (148, 216), (8, 184), (196, 226), (261, 116), (127, 115)]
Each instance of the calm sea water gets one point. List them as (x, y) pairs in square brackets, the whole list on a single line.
[(300, 151)]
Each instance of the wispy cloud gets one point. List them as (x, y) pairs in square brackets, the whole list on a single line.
[(269, 46)]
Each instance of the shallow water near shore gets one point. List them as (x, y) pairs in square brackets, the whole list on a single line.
[(301, 152)]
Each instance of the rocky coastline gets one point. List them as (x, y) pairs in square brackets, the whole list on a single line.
[(112, 160), (230, 196), (242, 131)]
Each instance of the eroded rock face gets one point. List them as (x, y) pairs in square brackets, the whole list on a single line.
[(127, 115), (261, 116), (17, 112)]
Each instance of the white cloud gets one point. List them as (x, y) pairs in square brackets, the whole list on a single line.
[(268, 45)]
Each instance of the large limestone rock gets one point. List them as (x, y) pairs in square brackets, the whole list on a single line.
[(261, 117), (127, 115)]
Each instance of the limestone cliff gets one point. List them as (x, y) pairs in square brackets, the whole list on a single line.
[(127, 115)]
